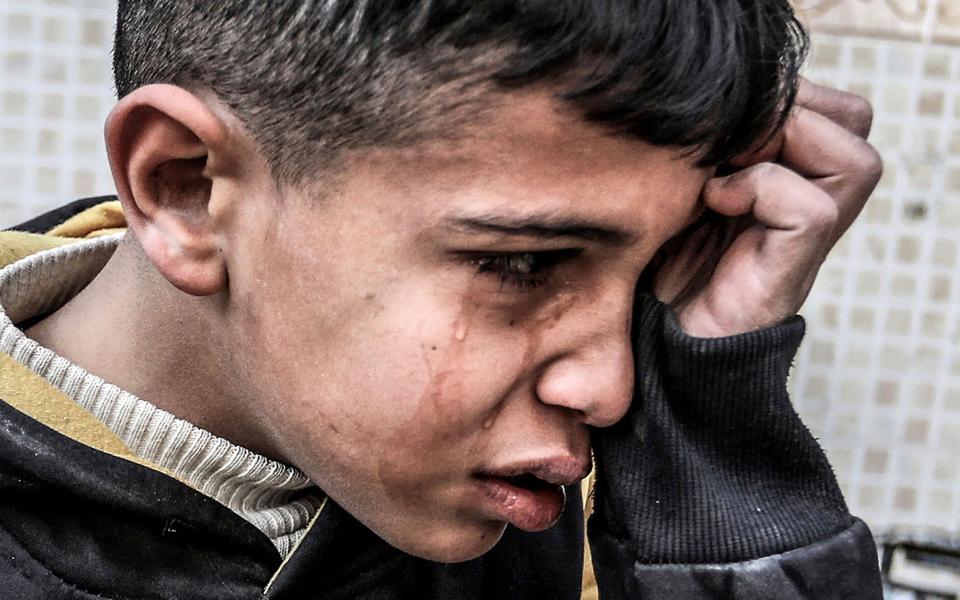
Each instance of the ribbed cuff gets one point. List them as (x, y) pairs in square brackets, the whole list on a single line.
[(712, 464)]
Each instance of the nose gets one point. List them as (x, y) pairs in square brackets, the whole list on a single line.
[(595, 380)]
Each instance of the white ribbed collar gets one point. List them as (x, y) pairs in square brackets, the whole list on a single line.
[(277, 499)]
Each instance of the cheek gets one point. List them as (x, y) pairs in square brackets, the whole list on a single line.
[(441, 437), (377, 384)]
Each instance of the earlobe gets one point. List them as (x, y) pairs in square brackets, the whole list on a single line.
[(164, 144)]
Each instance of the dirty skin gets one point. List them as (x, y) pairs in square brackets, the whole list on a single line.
[(446, 400)]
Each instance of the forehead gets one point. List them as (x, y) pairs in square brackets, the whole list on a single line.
[(533, 152)]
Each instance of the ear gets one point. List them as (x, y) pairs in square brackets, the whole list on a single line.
[(167, 151)]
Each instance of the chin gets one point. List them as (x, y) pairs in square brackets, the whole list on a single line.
[(453, 545)]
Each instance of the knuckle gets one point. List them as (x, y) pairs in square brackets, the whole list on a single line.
[(860, 113), (870, 165)]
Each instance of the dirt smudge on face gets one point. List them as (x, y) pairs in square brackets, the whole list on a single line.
[(416, 456), (438, 419)]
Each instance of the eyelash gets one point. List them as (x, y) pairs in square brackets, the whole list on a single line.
[(521, 270)]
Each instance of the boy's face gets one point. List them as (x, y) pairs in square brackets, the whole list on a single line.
[(450, 315)]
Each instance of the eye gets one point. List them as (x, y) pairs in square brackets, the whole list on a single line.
[(522, 270)]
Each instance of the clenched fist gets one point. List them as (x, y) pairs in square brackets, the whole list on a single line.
[(767, 227)]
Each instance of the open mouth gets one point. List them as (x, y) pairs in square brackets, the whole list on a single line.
[(528, 481), (525, 501)]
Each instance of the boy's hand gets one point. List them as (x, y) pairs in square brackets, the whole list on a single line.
[(786, 208)]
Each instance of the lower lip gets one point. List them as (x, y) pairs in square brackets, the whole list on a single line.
[(529, 510)]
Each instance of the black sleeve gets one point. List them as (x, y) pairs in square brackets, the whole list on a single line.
[(711, 487)]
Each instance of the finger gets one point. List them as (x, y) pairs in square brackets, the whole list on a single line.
[(798, 218), (839, 162), (777, 197), (850, 111)]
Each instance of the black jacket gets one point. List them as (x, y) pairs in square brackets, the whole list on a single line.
[(710, 488)]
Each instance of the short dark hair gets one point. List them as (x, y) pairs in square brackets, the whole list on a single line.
[(310, 78)]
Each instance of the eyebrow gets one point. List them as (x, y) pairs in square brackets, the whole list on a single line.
[(542, 226)]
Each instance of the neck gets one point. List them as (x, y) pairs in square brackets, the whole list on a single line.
[(135, 330)]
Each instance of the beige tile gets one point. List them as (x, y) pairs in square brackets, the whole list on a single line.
[(11, 176), (863, 89), (92, 72), (842, 458), (937, 64), (902, 59), (870, 496), (909, 464), (933, 324), (908, 249), (940, 286), (51, 106), (18, 26), (17, 65), (947, 23), (84, 183), (954, 145), (940, 501), (920, 176), (863, 58), (48, 142), (857, 357), (931, 103), (816, 388), (54, 70), (916, 431), (951, 400), (852, 391), (14, 103), (949, 436), (944, 252), (868, 283), (895, 99), (893, 357), (825, 54), (887, 134), (56, 30), (85, 145), (898, 321), (93, 33), (862, 319), (829, 316), (821, 352), (886, 393), (928, 357), (905, 498), (12, 140), (875, 461), (87, 108), (48, 180), (922, 396), (875, 247), (952, 183)]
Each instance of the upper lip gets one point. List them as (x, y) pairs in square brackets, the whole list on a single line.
[(559, 470)]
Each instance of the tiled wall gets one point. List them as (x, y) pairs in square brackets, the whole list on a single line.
[(55, 92), (878, 377)]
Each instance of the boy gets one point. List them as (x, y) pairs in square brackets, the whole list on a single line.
[(391, 273)]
